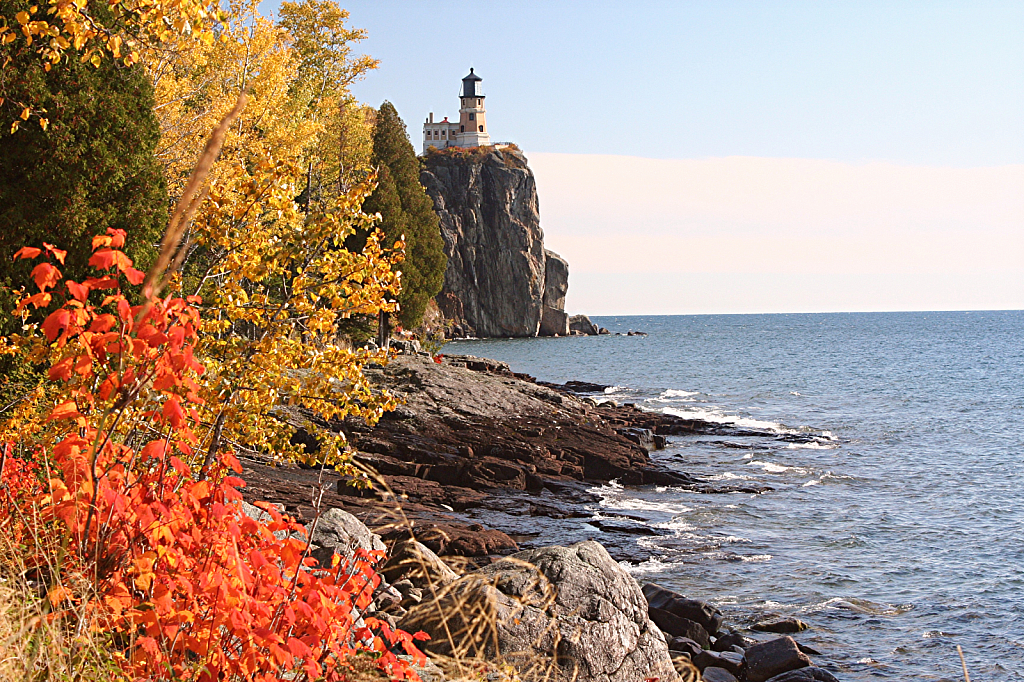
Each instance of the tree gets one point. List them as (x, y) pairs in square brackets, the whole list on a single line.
[(405, 209), (88, 166)]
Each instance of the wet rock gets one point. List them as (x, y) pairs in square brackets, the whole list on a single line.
[(713, 674), (810, 651), (701, 612), (728, 660), (725, 642), (572, 605), (774, 657), (780, 625), (642, 437), (603, 331), (680, 627), (809, 674)]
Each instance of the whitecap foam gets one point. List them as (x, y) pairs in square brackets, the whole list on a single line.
[(728, 476), (652, 565), (810, 483), (813, 445), (776, 468), (719, 417), (614, 389), (636, 504), (673, 393), (756, 558)]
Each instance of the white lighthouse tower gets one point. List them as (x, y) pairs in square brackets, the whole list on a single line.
[(471, 129)]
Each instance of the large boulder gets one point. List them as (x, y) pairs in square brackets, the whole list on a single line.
[(571, 611), (774, 657), (490, 222), (581, 324), (808, 674), (700, 612), (338, 532), (554, 320)]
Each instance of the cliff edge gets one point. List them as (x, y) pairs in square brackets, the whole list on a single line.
[(500, 280)]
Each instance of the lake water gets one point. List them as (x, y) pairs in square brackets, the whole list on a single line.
[(897, 534)]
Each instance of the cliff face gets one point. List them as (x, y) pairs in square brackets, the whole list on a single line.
[(497, 283)]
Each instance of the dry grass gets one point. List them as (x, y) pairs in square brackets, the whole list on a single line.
[(35, 645)]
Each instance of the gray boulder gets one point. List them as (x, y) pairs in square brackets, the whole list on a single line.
[(714, 659), (570, 611), (774, 657), (338, 532), (583, 325)]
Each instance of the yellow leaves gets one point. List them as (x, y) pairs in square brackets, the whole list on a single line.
[(22, 17), (96, 59), (25, 113), (44, 123), (14, 127)]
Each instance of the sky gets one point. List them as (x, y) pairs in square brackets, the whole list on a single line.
[(738, 157)]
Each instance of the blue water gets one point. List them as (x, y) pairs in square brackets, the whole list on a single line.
[(896, 535)]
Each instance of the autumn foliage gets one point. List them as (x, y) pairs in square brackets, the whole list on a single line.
[(99, 488)]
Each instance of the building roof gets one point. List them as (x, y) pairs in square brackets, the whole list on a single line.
[(472, 76)]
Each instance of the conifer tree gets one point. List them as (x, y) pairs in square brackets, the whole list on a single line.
[(92, 167), (406, 210)]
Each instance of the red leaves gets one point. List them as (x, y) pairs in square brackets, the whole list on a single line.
[(46, 276), (204, 591)]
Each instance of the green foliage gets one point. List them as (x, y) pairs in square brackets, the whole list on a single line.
[(91, 168), (406, 210)]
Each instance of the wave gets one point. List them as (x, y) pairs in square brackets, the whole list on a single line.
[(652, 565), (775, 468), (813, 445)]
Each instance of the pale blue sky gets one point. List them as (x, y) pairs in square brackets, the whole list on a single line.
[(911, 82), (756, 156)]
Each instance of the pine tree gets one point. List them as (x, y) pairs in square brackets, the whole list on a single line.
[(406, 210), (91, 168)]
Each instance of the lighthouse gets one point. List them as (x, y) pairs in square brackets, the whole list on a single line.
[(472, 114), (471, 129)]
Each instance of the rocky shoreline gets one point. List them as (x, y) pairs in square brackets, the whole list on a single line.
[(484, 471)]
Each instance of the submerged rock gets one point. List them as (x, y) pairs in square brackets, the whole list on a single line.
[(780, 625)]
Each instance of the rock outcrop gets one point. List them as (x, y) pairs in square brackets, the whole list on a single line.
[(554, 321), (496, 283), (581, 324), (571, 608)]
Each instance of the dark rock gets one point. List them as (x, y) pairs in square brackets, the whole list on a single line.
[(780, 625), (487, 205), (685, 645), (573, 604), (642, 437), (727, 641), (584, 387), (713, 674), (583, 325), (603, 332), (809, 674), (703, 613), (774, 657), (554, 321), (728, 660), (810, 651), (678, 626)]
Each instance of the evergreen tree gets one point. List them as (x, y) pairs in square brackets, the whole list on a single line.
[(406, 210), (91, 168)]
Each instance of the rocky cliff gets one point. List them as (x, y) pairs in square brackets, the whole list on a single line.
[(500, 280)]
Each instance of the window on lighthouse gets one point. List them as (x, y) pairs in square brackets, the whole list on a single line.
[(481, 129), (472, 117)]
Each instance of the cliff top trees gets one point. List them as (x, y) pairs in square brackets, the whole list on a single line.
[(406, 209)]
